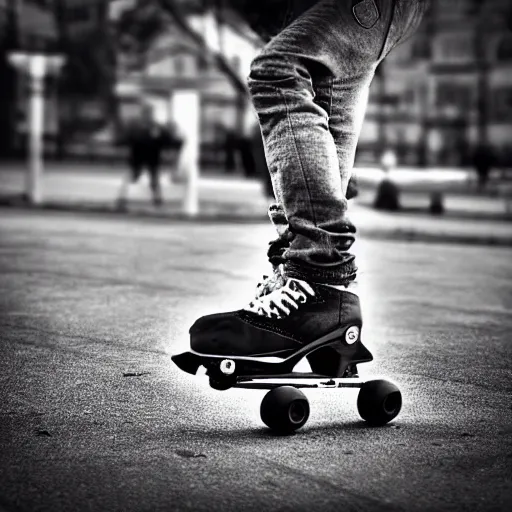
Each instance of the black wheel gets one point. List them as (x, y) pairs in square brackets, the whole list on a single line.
[(378, 402), (222, 375), (284, 409)]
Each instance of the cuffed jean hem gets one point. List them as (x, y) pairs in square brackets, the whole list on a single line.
[(342, 274)]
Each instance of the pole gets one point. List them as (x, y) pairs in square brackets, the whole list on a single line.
[(36, 66), (37, 71), (186, 115)]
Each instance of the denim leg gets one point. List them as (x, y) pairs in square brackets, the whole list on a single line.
[(309, 145), (327, 96), (346, 106)]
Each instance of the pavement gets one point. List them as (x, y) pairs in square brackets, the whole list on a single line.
[(469, 217), (94, 416)]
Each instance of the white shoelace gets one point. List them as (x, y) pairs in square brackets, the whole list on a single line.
[(283, 300), (270, 283)]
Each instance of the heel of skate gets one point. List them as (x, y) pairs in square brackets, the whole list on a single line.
[(339, 358)]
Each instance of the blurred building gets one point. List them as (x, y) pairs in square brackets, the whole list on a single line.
[(435, 98), (24, 25), (447, 89), (176, 62), (40, 23), (83, 16)]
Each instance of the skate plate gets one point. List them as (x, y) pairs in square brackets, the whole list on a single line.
[(327, 357), (258, 374)]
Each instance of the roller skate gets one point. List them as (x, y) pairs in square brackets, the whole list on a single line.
[(260, 346)]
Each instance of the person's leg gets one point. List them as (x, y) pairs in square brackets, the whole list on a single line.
[(154, 180), (133, 175), (309, 87), (326, 93)]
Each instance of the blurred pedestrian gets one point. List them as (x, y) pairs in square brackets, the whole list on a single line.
[(388, 161), (309, 87), (483, 162), (146, 139), (388, 193)]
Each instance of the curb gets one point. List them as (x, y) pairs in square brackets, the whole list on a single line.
[(395, 234), (19, 203)]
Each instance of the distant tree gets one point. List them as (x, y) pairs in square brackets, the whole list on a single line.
[(89, 71)]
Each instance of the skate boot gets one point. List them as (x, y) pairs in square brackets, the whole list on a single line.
[(321, 321)]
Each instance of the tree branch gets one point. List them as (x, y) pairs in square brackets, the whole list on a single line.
[(171, 7)]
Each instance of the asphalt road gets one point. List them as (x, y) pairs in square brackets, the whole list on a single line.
[(94, 416)]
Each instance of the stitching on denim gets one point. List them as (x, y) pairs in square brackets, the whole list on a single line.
[(331, 89), (298, 156)]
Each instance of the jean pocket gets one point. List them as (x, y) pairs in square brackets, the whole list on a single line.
[(366, 13)]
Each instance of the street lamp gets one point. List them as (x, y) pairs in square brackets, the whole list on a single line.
[(37, 67)]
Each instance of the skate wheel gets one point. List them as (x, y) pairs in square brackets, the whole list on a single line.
[(284, 409), (378, 402), (227, 367)]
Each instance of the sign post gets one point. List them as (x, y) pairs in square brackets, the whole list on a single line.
[(37, 67)]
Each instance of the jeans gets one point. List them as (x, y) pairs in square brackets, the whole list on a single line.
[(309, 87)]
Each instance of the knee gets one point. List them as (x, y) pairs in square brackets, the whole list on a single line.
[(277, 70), (267, 66)]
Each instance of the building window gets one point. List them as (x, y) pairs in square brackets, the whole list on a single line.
[(505, 49), (179, 65), (454, 48), (421, 49), (203, 63), (185, 65), (502, 104), (453, 97), (409, 97)]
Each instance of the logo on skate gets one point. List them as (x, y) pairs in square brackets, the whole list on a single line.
[(352, 335)]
